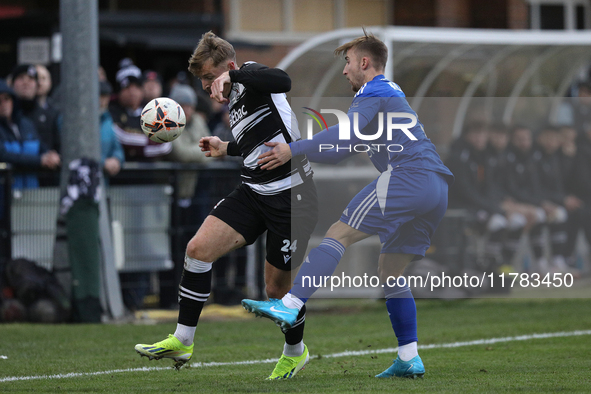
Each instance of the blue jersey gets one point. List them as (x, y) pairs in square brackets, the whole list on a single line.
[(379, 105)]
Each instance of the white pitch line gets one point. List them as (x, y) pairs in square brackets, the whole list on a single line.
[(333, 355)]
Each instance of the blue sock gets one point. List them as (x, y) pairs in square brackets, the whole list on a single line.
[(321, 262), (403, 313)]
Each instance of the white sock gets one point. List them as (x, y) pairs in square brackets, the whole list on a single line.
[(293, 350), (291, 301), (185, 334), (408, 352)]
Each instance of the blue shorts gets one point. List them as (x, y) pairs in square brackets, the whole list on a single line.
[(403, 206)]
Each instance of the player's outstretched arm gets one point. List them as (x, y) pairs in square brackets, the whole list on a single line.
[(213, 147)]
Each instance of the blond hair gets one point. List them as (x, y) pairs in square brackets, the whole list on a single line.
[(369, 45), (212, 47)]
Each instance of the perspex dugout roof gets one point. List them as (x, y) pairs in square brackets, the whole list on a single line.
[(510, 73)]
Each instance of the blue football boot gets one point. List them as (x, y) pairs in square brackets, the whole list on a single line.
[(273, 309), (413, 369)]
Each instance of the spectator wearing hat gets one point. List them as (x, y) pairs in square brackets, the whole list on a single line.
[(555, 199), (112, 156), (19, 142), (185, 148), (181, 78), (152, 86), (126, 112), (47, 120)]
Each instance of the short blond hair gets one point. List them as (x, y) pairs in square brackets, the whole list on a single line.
[(212, 47), (370, 45)]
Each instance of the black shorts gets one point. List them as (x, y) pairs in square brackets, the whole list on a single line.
[(288, 217)]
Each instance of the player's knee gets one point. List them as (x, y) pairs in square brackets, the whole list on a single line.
[(197, 249)]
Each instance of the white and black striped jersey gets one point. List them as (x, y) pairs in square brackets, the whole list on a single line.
[(259, 113)]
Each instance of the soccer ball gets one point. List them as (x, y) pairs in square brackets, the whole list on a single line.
[(163, 119)]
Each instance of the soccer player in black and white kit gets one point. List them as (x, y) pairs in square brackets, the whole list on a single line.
[(282, 202)]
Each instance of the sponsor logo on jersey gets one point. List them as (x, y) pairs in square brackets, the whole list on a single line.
[(237, 114)]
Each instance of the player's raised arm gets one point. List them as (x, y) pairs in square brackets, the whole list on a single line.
[(262, 78)]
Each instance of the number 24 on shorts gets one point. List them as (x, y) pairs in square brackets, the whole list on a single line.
[(289, 246)]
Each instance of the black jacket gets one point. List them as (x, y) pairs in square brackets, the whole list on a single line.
[(474, 187), (523, 180), (47, 122), (550, 173), (21, 147)]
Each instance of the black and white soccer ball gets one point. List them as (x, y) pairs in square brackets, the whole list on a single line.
[(163, 120)]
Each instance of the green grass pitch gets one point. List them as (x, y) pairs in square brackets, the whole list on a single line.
[(102, 358)]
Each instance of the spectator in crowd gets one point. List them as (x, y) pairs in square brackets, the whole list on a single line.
[(554, 198), (152, 86), (581, 107), (185, 149), (567, 154), (45, 85), (204, 105), (19, 142), (222, 128), (579, 214), (181, 78), (523, 186), (498, 139), (102, 74), (476, 190), (112, 156), (126, 112), (577, 154), (219, 119), (473, 188), (47, 120)]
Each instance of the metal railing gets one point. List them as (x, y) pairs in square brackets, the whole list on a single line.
[(151, 223)]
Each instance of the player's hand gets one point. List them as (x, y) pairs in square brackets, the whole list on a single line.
[(50, 160), (112, 166), (279, 155), (220, 88), (213, 147)]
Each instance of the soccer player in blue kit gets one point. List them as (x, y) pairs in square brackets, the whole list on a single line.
[(404, 205)]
